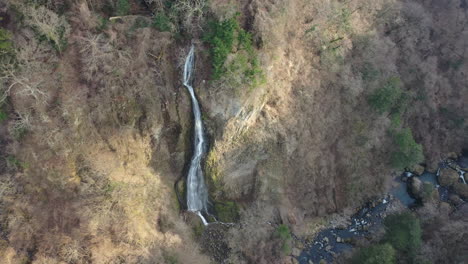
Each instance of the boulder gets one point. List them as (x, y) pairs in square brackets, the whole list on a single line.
[(292, 218), (288, 215), (296, 252), (455, 199), (298, 244), (432, 167), (445, 208), (448, 177), (289, 260), (416, 187), (339, 240), (461, 212), (463, 162), (461, 189), (417, 169), (452, 155)]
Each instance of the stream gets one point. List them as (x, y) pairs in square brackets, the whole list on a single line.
[(330, 242), (197, 192)]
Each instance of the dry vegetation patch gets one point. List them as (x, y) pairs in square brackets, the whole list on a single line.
[(86, 184)]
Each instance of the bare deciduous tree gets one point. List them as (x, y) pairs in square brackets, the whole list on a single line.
[(192, 11), (21, 123), (55, 28), (27, 73), (95, 51)]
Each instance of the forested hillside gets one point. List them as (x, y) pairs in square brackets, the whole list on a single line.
[(312, 108)]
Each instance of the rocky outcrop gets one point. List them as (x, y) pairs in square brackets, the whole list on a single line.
[(417, 169), (214, 242), (416, 187), (448, 177)]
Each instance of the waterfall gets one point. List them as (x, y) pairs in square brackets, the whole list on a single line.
[(197, 193)]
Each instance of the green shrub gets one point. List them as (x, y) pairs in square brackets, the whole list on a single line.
[(284, 234), (344, 19), (162, 22), (170, 258), (386, 97), (15, 163), (403, 232), (198, 229), (227, 212), (227, 37), (213, 175), (221, 38), (48, 26), (427, 191), (3, 115), (62, 43), (180, 191), (282, 231), (407, 152), (140, 22), (395, 118), (376, 254), (103, 23), (122, 7), (6, 46)]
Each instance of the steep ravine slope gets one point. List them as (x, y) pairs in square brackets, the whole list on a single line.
[(99, 130), (307, 143), (91, 160), (310, 115)]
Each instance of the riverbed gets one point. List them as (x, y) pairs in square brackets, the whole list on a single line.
[(331, 242)]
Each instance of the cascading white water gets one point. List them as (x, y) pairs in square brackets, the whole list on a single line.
[(197, 193)]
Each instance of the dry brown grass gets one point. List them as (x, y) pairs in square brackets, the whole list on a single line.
[(108, 126), (328, 149), (94, 190)]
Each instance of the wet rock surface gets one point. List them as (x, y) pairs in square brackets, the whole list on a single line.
[(416, 187), (214, 242), (418, 169), (448, 177), (333, 241), (463, 162), (409, 190)]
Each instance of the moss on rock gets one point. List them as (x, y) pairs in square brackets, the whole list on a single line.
[(213, 174), (461, 189), (227, 212), (448, 177)]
